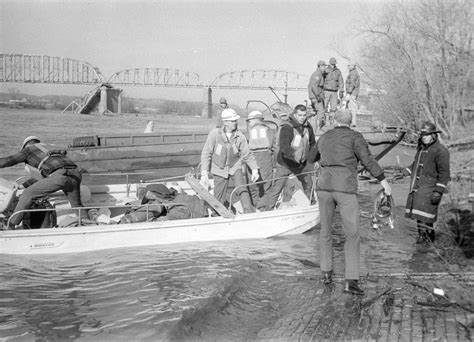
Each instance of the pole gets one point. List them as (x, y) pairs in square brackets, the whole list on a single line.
[(209, 103)]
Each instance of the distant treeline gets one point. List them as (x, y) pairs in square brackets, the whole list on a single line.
[(15, 99)]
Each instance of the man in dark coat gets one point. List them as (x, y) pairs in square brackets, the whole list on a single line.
[(339, 152), (296, 148), (429, 178)]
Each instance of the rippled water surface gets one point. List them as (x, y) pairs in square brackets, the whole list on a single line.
[(219, 290)]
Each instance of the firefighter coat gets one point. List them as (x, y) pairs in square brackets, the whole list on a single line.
[(429, 173)]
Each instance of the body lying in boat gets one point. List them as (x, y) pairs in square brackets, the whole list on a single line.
[(141, 202)]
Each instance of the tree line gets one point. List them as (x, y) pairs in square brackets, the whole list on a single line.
[(418, 59)]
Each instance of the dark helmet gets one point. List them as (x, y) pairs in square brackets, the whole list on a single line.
[(428, 128), (332, 61)]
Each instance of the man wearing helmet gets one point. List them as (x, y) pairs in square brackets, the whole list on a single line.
[(54, 172), (429, 177), (261, 138), (225, 149), (222, 105), (316, 93), (333, 86)]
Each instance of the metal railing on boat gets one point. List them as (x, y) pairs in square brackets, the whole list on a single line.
[(148, 207), (313, 185)]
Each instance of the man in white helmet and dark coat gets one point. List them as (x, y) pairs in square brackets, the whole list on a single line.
[(429, 177), (53, 170)]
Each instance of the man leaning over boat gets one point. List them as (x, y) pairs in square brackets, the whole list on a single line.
[(53, 170), (225, 149)]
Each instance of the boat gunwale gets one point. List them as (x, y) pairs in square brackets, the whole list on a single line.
[(167, 224)]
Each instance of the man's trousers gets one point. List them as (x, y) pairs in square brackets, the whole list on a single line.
[(349, 210)]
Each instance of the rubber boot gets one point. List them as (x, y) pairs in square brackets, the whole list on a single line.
[(327, 277), (421, 237), (352, 286), (431, 235)]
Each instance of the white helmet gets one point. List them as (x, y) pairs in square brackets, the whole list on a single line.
[(229, 114), (28, 139), (255, 115)]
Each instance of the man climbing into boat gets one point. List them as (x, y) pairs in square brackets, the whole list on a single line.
[(225, 149), (53, 171), (296, 147), (339, 151)]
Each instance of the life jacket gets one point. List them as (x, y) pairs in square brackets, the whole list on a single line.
[(259, 138), (226, 153), (50, 152), (300, 144)]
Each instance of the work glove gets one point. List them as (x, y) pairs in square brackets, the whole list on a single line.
[(341, 94), (255, 176), (386, 187), (204, 179), (436, 197)]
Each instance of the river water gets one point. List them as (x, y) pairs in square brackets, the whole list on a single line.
[(207, 291)]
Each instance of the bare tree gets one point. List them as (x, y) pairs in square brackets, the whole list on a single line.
[(419, 56)]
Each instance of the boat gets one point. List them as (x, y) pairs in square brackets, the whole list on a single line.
[(171, 153), (294, 215)]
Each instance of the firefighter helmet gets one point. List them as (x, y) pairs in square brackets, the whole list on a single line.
[(428, 128)]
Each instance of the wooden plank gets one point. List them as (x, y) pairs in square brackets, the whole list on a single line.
[(206, 196)]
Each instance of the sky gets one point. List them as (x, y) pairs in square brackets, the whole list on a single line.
[(206, 37)]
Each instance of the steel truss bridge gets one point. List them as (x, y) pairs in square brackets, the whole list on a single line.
[(22, 68), (45, 69)]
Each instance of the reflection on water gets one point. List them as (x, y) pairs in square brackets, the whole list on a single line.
[(210, 290)]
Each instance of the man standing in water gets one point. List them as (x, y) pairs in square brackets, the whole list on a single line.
[(225, 149), (339, 151), (429, 178)]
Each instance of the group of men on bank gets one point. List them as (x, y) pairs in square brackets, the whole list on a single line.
[(338, 152), (326, 91)]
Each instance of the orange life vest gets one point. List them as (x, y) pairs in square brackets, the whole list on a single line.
[(259, 138), (226, 153)]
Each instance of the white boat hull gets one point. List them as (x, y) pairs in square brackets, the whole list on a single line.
[(93, 238)]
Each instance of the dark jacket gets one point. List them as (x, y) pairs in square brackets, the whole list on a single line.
[(429, 173), (333, 79), (339, 152), (44, 157), (353, 83), (286, 152), (315, 85)]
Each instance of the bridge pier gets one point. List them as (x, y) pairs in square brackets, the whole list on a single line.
[(110, 100)]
